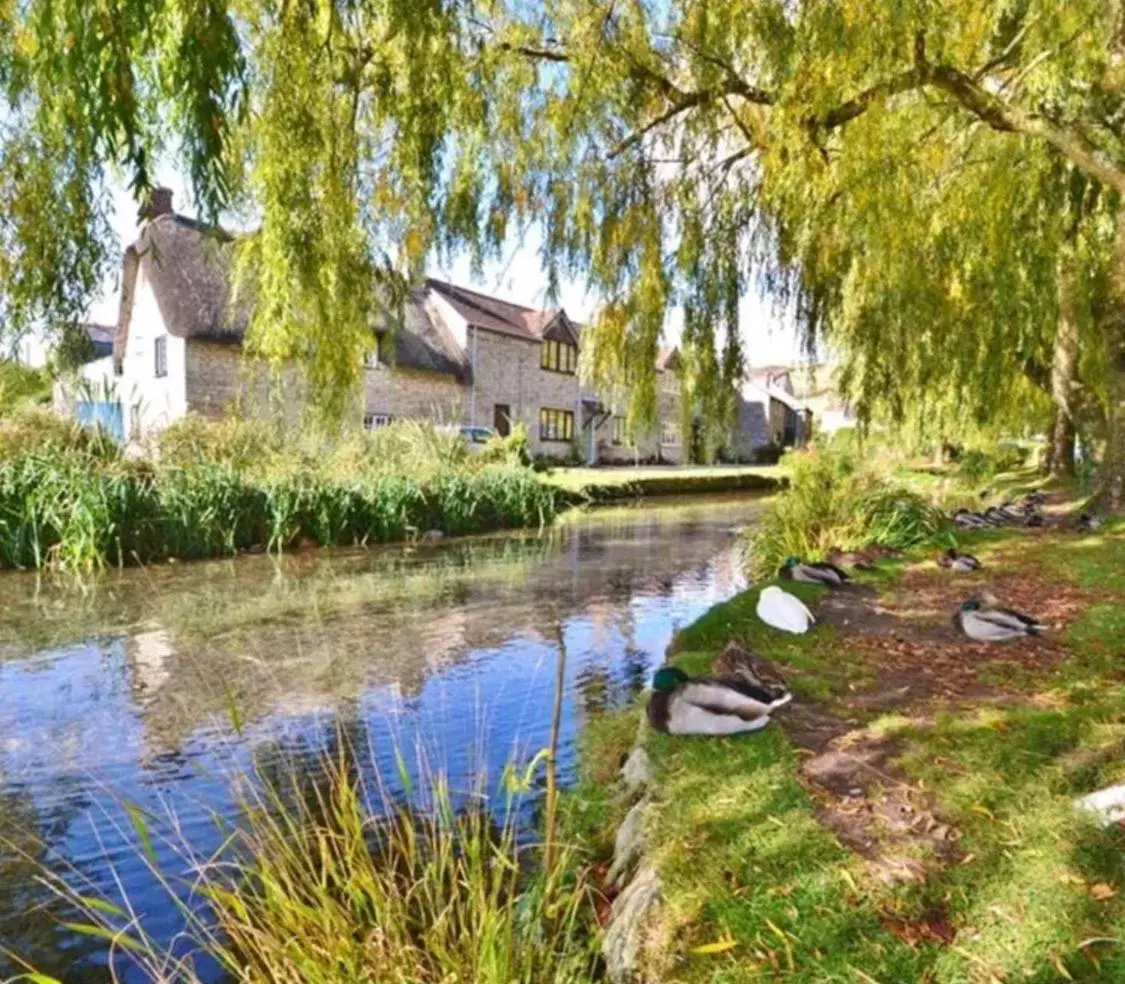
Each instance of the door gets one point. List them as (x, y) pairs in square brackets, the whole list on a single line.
[(502, 419)]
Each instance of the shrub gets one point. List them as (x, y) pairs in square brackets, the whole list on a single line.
[(231, 443), (976, 464), (515, 449), (34, 429), (835, 500)]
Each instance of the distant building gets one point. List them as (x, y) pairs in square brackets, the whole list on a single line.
[(459, 357)]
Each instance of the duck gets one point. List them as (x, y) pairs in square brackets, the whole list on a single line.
[(682, 706), (1035, 498), (1014, 512), (860, 560), (957, 561), (736, 662), (794, 569), (983, 619), (781, 610), (996, 516), (1088, 523), (1035, 519), (965, 519)]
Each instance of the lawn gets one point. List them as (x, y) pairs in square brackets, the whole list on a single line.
[(621, 483), (958, 856)]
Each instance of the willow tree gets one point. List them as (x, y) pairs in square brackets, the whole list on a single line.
[(672, 152)]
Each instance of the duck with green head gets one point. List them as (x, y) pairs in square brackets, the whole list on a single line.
[(682, 706), (984, 619), (794, 569)]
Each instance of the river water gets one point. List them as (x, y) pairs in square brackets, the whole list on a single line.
[(148, 689)]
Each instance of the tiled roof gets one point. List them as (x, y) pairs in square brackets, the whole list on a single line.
[(493, 314)]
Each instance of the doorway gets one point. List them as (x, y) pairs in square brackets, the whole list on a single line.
[(502, 419)]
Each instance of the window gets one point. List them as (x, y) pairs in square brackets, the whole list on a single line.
[(161, 356), (558, 357), (371, 421), (619, 435), (556, 425), (670, 433)]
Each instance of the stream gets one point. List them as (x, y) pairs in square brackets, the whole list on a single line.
[(148, 689)]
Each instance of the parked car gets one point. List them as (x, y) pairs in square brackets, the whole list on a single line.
[(474, 436)]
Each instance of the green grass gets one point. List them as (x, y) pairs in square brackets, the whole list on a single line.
[(71, 500), (1038, 894), (625, 483), (318, 886)]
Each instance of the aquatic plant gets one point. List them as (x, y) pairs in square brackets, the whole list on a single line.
[(835, 499), (73, 508)]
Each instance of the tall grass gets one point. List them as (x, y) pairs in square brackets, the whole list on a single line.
[(321, 882), (836, 500), (72, 500)]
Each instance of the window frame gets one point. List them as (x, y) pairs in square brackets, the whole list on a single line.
[(556, 424), (560, 357), (670, 427), (619, 434), (160, 356), (371, 421)]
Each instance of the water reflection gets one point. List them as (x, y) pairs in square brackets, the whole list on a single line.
[(149, 687)]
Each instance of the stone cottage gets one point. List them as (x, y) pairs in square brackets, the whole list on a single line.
[(459, 357)]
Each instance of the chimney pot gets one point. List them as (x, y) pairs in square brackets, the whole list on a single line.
[(160, 202)]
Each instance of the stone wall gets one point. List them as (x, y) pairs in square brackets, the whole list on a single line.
[(413, 394)]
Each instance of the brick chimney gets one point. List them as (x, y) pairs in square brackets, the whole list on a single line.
[(159, 203)]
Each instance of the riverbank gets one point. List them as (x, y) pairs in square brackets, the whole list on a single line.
[(608, 484), (910, 817)]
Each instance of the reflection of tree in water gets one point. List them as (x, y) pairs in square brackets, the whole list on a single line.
[(594, 685), (634, 672), (31, 914)]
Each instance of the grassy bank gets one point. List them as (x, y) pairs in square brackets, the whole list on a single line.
[(910, 818), (609, 484), (69, 498)]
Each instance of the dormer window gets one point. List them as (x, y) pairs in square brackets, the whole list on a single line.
[(557, 356)]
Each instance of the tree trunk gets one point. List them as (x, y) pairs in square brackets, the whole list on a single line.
[(1064, 371), (1111, 478)]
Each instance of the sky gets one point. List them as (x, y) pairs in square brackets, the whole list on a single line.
[(767, 339)]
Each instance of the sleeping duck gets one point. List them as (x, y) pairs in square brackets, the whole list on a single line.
[(985, 620), (784, 611), (959, 562), (965, 519), (795, 570), (736, 662), (860, 560), (1088, 523), (682, 706)]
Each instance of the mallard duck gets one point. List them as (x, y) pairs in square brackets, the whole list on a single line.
[(784, 611), (794, 569), (738, 663), (1088, 523), (1035, 499), (1035, 519), (860, 560), (1014, 512), (682, 706), (984, 620), (957, 561), (965, 519), (996, 516)]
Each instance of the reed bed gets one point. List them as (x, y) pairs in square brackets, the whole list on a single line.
[(68, 498), (836, 500)]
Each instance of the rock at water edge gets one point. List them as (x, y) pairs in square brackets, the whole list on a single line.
[(636, 773), (628, 923), (628, 845)]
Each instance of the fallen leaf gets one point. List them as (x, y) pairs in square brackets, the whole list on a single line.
[(1101, 891), (719, 946)]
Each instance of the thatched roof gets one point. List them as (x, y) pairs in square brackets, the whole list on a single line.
[(189, 266)]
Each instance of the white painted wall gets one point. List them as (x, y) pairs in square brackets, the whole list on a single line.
[(160, 401)]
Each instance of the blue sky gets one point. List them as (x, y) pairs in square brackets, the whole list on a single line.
[(767, 339)]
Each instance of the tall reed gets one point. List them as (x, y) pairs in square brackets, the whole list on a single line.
[(75, 502), (835, 499)]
